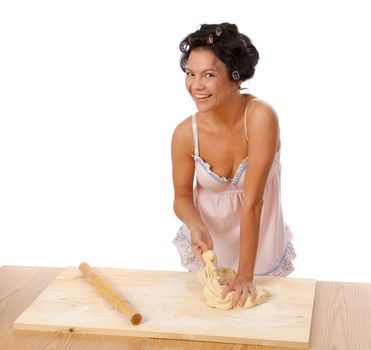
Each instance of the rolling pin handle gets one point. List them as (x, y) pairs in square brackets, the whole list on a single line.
[(85, 268), (110, 293)]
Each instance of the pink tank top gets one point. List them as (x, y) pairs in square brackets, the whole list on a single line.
[(220, 200)]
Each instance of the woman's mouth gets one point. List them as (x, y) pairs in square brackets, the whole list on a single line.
[(202, 97)]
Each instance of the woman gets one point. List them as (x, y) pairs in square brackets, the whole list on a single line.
[(232, 145)]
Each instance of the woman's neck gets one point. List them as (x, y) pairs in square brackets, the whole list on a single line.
[(229, 114)]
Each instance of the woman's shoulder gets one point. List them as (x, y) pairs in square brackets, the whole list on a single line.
[(183, 131), (259, 110), (261, 118), (258, 104)]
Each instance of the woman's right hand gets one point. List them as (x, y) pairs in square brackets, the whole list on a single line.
[(201, 240)]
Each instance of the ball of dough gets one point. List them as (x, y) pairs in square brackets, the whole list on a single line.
[(214, 279)]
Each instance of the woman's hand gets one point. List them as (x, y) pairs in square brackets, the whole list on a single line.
[(201, 240), (243, 287)]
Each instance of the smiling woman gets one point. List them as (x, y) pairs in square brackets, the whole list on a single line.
[(232, 145)]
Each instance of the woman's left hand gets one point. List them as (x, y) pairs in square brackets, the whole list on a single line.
[(243, 287)]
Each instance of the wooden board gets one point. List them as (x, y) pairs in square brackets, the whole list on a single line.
[(173, 307)]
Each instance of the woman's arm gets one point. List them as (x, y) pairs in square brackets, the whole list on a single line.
[(263, 136), (183, 175), (263, 130)]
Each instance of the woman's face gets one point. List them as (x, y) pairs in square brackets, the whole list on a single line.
[(207, 80)]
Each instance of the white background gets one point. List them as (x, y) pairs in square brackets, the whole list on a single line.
[(90, 92)]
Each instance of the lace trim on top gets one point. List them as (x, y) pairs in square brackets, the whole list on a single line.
[(234, 181)]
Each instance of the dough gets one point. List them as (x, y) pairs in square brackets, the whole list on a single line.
[(213, 279)]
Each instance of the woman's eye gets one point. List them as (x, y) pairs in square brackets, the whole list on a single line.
[(209, 75), (189, 74)]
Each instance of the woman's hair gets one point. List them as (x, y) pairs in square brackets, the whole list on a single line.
[(234, 49)]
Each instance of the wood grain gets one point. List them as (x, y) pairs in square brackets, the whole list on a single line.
[(342, 317), (19, 286), (174, 308)]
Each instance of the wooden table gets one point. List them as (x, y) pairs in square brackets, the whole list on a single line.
[(341, 319)]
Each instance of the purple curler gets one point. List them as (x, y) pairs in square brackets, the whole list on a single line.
[(244, 43), (210, 39), (218, 31), (184, 46), (235, 75)]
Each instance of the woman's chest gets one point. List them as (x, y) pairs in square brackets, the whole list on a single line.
[(223, 154)]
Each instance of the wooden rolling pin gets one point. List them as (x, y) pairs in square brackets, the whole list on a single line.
[(110, 293)]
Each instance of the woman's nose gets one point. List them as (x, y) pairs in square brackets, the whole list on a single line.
[(197, 82)]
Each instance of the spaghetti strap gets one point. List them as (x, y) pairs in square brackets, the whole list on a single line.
[(195, 134), (245, 117)]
